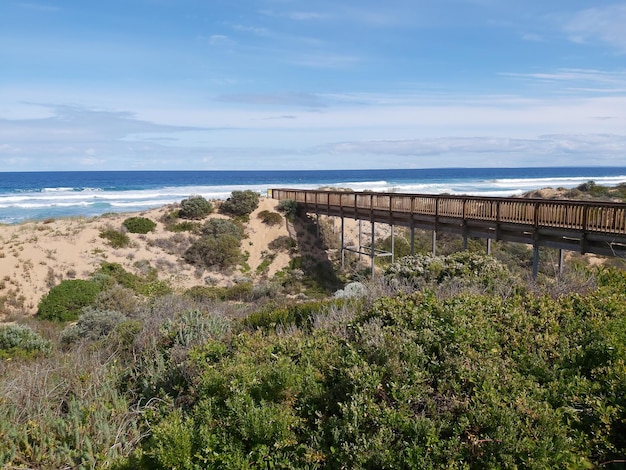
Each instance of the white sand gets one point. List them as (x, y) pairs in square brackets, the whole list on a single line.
[(34, 256)]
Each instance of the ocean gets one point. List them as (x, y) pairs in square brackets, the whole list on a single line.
[(41, 195)]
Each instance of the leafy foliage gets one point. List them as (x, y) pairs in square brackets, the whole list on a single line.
[(91, 325), (110, 274), (218, 227), (139, 225), (270, 218), (65, 301), (283, 242), (397, 377), (239, 291), (185, 226), (195, 207), (218, 246), (222, 252), (22, 341), (289, 207), (240, 203), (115, 238), (464, 265), (473, 381)]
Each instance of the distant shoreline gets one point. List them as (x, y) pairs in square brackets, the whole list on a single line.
[(41, 195)]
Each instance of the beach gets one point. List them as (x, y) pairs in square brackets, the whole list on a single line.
[(61, 239), (37, 255)]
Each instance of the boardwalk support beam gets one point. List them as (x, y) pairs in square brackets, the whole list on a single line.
[(535, 260)]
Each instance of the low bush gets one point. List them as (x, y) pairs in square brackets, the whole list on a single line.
[(115, 238), (91, 325), (218, 227), (240, 203), (21, 341), (139, 225), (65, 301), (195, 207), (464, 265), (222, 252), (186, 226), (289, 207), (270, 218), (299, 314), (282, 243), (118, 298)]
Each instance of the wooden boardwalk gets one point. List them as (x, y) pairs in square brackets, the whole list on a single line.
[(582, 226)]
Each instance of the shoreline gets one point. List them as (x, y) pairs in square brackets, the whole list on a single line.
[(38, 254)]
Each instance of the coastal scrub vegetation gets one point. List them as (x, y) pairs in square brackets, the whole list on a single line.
[(270, 218), (458, 360), (115, 238), (492, 373), (289, 207), (141, 225), (218, 245), (240, 203), (195, 207)]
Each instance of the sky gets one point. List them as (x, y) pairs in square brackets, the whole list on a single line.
[(294, 84)]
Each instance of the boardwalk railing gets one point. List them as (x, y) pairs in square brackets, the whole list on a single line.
[(588, 227)]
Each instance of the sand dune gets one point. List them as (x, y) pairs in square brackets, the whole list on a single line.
[(34, 256)]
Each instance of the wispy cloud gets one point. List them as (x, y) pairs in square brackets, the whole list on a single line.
[(606, 24), (258, 31), (580, 79), (218, 40), (297, 15), (39, 7), (307, 100), (508, 150)]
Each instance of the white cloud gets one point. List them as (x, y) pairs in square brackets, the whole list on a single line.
[(251, 29), (606, 24), (220, 40), (579, 80)]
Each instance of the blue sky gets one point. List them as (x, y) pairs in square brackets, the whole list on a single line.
[(292, 84)]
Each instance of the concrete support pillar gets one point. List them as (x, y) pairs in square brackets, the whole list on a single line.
[(488, 246), (561, 261), (434, 242), (412, 240)]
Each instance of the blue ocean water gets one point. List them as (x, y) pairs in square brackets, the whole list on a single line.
[(40, 195)]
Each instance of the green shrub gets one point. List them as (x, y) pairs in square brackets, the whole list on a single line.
[(186, 226), (218, 227), (115, 238), (139, 225), (240, 203), (91, 325), (401, 247), (270, 218), (289, 207), (170, 445), (118, 298), (282, 243), (21, 341), (116, 272), (462, 265), (65, 301), (300, 314), (208, 252), (195, 207)]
